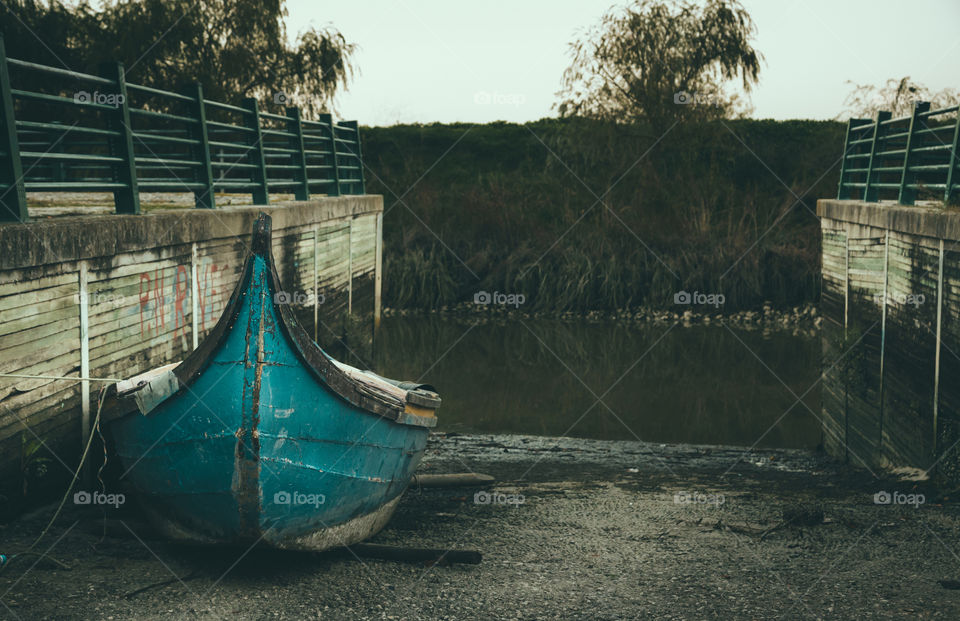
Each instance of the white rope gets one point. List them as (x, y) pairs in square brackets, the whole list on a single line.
[(65, 377), (56, 514)]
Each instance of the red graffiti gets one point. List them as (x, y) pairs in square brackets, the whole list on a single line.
[(152, 303), (156, 301), (160, 319), (144, 299), (208, 295)]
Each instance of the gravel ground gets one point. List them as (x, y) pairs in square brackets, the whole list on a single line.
[(593, 530)]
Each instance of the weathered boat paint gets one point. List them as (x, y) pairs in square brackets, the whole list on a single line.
[(260, 436)]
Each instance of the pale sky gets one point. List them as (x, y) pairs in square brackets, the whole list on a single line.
[(424, 61)]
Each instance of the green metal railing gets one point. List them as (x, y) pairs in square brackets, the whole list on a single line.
[(110, 135), (904, 159)]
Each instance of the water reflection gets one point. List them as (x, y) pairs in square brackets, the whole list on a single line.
[(702, 384)]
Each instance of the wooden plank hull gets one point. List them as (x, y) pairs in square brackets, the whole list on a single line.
[(257, 438)]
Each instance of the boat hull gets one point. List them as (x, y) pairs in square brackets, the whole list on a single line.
[(258, 449)]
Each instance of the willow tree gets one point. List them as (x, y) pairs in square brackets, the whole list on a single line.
[(656, 61), (234, 48), (898, 96)]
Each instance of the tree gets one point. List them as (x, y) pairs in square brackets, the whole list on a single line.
[(896, 96), (652, 59), (234, 48)]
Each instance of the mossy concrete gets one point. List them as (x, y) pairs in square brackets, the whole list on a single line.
[(72, 238), (923, 220)]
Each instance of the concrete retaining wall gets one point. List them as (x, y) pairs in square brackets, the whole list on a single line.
[(891, 335), (111, 296)]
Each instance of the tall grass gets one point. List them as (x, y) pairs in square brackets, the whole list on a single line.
[(514, 208)]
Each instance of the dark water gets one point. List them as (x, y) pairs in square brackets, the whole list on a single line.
[(702, 384)]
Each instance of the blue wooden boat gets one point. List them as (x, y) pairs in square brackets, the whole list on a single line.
[(260, 436)]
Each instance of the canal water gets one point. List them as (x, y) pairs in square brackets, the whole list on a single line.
[(704, 384)]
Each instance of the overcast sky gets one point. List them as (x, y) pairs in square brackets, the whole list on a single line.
[(444, 60)]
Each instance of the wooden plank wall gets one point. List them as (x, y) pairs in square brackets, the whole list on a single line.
[(948, 406), (889, 398), (141, 315), (333, 251), (833, 298), (39, 335), (910, 350), (364, 262), (861, 363)]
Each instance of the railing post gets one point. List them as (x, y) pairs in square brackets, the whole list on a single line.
[(203, 199), (126, 200), (261, 195), (359, 153), (907, 193), (378, 275), (335, 170), (295, 126), (84, 300), (936, 355), (13, 196), (883, 330), (870, 194), (841, 193), (954, 161)]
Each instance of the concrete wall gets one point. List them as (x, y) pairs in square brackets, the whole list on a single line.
[(111, 296), (891, 335)]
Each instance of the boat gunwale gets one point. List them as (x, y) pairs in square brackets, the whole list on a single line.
[(324, 369)]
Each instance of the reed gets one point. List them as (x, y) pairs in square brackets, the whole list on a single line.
[(574, 216)]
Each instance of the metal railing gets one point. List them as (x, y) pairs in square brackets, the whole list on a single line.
[(115, 136), (905, 159)]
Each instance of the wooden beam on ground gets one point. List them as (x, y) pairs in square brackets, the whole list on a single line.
[(466, 479)]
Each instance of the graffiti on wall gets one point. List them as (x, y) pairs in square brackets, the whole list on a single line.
[(166, 300), (212, 292)]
